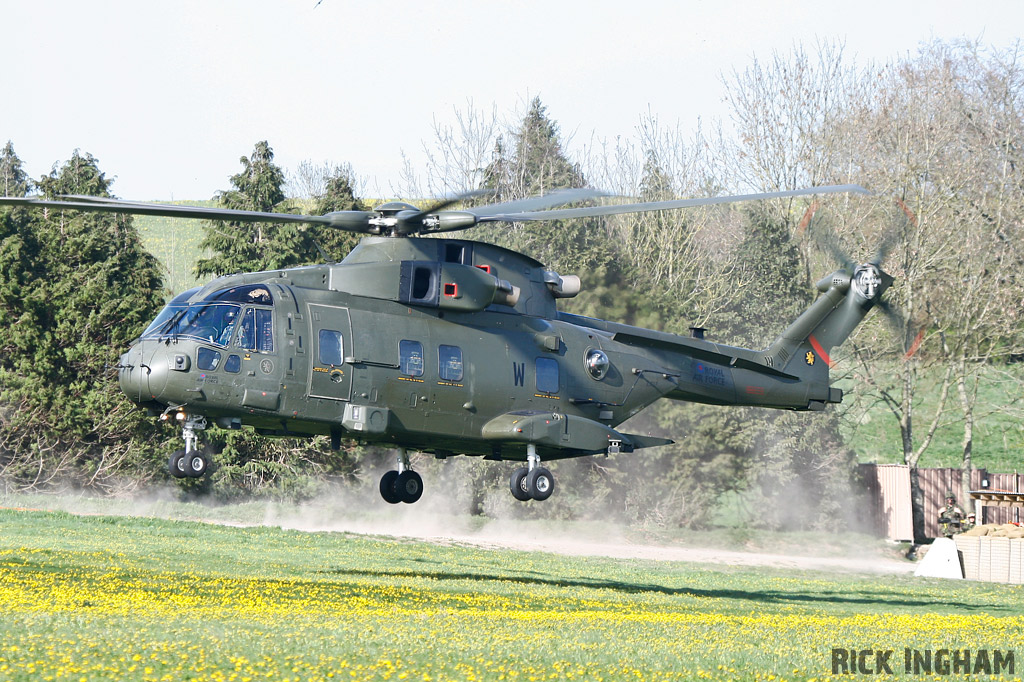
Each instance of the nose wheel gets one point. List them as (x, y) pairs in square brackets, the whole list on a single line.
[(403, 485), (193, 461), (532, 482)]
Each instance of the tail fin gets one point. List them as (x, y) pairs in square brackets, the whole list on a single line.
[(809, 340)]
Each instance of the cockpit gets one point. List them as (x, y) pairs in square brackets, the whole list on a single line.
[(236, 313)]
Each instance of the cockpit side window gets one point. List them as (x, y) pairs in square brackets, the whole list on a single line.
[(256, 331)]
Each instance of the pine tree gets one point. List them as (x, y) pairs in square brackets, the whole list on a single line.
[(13, 180), (788, 453), (339, 195), (778, 289), (537, 164), (243, 246), (247, 463), (74, 290)]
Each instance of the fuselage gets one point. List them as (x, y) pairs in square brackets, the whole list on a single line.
[(409, 342)]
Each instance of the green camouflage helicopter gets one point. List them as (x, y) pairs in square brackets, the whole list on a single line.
[(448, 346)]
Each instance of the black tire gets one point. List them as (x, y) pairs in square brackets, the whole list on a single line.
[(176, 465), (197, 463), (409, 486), (387, 487), (540, 483), (517, 484)]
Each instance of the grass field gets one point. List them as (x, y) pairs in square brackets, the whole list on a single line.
[(175, 243), (873, 432), (105, 597)]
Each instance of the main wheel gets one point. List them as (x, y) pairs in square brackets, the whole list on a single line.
[(517, 484), (409, 486), (176, 466), (387, 488), (196, 464), (540, 483)]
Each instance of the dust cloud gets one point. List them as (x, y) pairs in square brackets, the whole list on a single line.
[(443, 519)]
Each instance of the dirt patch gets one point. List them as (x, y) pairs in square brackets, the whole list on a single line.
[(877, 565)]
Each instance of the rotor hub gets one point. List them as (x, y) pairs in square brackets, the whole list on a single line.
[(867, 279)]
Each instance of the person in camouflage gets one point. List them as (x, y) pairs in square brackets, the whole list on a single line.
[(970, 523), (951, 517)]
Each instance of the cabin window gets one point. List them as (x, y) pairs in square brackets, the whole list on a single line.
[(332, 347), (449, 363), (547, 375), (410, 361), (233, 364)]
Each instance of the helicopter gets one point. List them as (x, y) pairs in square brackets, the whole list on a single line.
[(452, 347)]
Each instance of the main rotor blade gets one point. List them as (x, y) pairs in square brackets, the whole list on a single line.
[(442, 204), (828, 240), (595, 211), (558, 197), (105, 205)]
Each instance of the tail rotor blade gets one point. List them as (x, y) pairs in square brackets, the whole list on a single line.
[(827, 240), (890, 240)]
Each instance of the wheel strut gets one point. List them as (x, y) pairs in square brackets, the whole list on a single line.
[(532, 458), (191, 462)]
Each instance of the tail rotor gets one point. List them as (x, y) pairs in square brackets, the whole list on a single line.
[(870, 280)]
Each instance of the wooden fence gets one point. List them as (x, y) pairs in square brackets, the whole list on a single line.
[(888, 490)]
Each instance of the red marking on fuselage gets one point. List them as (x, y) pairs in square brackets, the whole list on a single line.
[(820, 351)]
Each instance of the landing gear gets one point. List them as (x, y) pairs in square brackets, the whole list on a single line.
[(177, 464), (518, 484), (532, 482), (404, 485), (193, 461)]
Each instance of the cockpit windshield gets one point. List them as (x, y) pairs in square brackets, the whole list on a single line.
[(172, 309), (211, 320)]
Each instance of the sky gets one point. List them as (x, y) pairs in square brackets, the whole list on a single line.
[(169, 95)]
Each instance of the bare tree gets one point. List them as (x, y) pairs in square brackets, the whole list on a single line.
[(309, 179), (938, 140), (688, 254), (460, 150)]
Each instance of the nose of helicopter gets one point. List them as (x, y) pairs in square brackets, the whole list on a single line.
[(143, 372)]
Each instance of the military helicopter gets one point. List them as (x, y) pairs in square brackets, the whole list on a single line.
[(449, 346)]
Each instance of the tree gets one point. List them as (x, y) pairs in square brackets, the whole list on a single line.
[(457, 161), (537, 164), (13, 180), (74, 290), (242, 246), (935, 136), (249, 464), (776, 290), (789, 454), (324, 188), (338, 195), (941, 136)]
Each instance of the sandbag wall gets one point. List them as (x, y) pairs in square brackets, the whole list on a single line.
[(992, 558)]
